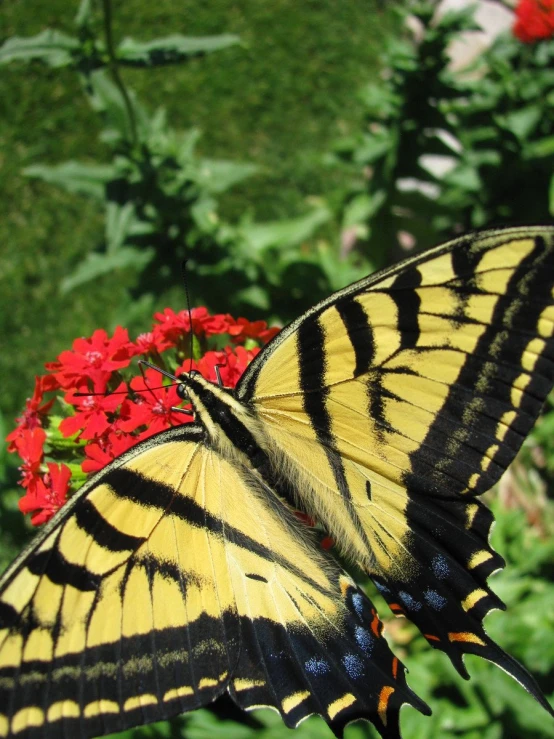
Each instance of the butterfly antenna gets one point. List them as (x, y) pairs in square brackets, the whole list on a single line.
[(218, 374), (104, 394), (163, 372), (107, 393), (187, 298)]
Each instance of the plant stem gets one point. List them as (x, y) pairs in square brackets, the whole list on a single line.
[(114, 70)]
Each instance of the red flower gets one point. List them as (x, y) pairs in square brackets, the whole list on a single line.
[(534, 20), (93, 359), (48, 495), (109, 418), (31, 417), (106, 449), (91, 417), (244, 329), (153, 406), (153, 342), (173, 325), (232, 363), (30, 447)]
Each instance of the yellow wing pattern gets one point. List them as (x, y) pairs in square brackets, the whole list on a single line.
[(180, 573), (398, 400), (174, 577)]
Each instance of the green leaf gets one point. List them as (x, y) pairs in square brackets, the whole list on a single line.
[(106, 98), (454, 21), (215, 176), (3, 449), (380, 102), (51, 47), (120, 220), (362, 208), (521, 122), (374, 146), (171, 49), (464, 176), (551, 196), (204, 215), (84, 13), (538, 149), (76, 177), (96, 265), (260, 237), (340, 270)]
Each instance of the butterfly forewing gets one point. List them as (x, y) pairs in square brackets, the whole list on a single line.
[(175, 576), (396, 401)]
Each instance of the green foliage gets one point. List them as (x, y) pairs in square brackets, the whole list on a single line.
[(159, 196), (277, 99), (160, 201), (86, 52), (445, 151)]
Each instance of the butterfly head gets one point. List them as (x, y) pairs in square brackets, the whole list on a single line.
[(183, 384)]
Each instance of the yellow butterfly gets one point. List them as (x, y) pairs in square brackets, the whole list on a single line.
[(180, 572)]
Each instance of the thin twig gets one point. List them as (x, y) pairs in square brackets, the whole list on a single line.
[(114, 70)]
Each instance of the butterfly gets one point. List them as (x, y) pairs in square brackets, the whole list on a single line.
[(180, 572)]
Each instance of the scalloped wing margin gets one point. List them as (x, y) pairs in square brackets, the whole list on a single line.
[(396, 401)]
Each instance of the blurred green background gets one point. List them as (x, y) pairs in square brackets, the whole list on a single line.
[(332, 142)]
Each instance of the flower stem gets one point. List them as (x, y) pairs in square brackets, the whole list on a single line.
[(114, 70)]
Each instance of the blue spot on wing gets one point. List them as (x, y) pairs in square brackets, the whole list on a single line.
[(364, 639), (409, 601), (354, 665), (381, 588), (317, 666), (358, 603), (441, 570), (434, 599)]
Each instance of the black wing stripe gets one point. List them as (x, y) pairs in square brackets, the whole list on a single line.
[(9, 616), (312, 360), (360, 333), (533, 275), (60, 571), (148, 492), (101, 678), (465, 260), (107, 536), (312, 366), (403, 292)]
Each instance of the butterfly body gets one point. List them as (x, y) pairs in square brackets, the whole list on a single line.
[(180, 571)]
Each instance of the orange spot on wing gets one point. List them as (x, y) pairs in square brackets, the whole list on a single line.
[(384, 697), (344, 586), (394, 667), (466, 636), (396, 609), (431, 637), (376, 625)]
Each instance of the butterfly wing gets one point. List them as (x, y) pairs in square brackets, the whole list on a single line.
[(396, 401), (172, 577)]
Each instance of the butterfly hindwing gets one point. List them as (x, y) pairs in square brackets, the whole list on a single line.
[(103, 625), (175, 576), (402, 397)]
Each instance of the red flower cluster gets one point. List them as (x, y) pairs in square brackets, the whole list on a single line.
[(101, 407), (534, 20)]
